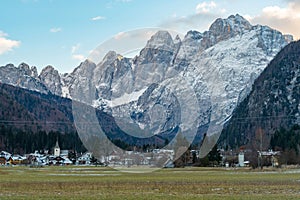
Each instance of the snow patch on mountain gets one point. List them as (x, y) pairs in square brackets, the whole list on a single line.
[(126, 98)]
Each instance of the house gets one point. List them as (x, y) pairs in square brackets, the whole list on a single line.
[(66, 161), (43, 160), (56, 160), (37, 159), (169, 164), (85, 159), (114, 156), (64, 153), (17, 159), (268, 157), (2, 160), (5, 158), (5, 154)]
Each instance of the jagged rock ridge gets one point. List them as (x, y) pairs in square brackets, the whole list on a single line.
[(215, 69)]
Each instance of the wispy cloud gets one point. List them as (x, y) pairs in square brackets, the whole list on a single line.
[(205, 14), (75, 48), (285, 19), (7, 44), (75, 55), (98, 18), (205, 7), (2, 34), (55, 30), (79, 57)]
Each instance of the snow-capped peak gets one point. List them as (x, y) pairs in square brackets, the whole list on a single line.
[(223, 29), (109, 57), (29, 71), (51, 78), (161, 39)]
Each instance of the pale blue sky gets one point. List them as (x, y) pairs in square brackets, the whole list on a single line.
[(62, 33)]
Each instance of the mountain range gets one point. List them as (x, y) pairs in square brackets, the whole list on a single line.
[(191, 84)]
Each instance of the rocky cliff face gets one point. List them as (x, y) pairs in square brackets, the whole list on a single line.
[(51, 79), (22, 76), (187, 83)]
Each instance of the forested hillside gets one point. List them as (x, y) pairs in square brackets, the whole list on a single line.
[(272, 106), (33, 121)]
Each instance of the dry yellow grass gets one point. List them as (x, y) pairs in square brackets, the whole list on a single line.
[(187, 183)]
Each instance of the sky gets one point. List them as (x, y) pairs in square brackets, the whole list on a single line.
[(63, 33)]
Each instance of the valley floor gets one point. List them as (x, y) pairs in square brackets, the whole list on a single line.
[(184, 183)]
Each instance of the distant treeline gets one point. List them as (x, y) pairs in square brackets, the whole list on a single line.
[(286, 140), (19, 141)]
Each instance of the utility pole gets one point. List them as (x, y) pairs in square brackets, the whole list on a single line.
[(259, 159)]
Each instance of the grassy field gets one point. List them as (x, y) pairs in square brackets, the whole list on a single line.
[(186, 183)]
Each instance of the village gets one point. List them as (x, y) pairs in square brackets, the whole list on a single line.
[(59, 157), (154, 158)]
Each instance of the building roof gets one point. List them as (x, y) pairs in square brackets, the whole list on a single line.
[(56, 145)]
